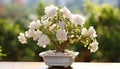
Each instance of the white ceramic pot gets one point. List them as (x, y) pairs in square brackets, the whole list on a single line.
[(58, 59)]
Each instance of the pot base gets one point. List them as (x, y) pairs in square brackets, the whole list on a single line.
[(58, 59)]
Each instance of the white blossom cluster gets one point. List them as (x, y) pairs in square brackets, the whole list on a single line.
[(61, 34)]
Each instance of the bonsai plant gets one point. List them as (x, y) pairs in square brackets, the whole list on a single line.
[(60, 27)]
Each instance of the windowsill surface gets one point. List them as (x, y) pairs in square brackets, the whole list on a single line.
[(41, 65)]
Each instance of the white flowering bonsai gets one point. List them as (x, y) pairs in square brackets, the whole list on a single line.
[(60, 27)]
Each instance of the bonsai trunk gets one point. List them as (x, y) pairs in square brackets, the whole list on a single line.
[(62, 48), (63, 45)]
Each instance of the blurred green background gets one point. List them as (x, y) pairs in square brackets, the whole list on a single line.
[(15, 15)]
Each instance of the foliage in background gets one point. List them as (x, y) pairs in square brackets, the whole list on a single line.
[(1, 53), (106, 20), (40, 9), (8, 32), (12, 21)]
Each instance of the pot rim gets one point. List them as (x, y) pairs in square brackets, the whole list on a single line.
[(42, 54)]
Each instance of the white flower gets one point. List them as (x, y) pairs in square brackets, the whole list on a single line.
[(62, 25), (37, 34), (51, 11), (29, 33), (35, 24), (46, 23), (33, 33), (78, 19), (22, 38), (61, 35), (84, 32), (90, 32), (43, 40), (66, 12), (94, 46)]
